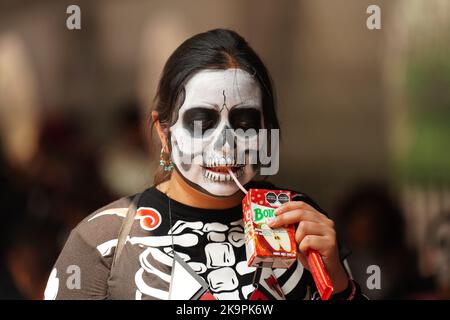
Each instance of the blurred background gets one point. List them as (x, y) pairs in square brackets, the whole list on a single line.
[(365, 118)]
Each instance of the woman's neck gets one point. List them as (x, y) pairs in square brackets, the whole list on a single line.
[(179, 190)]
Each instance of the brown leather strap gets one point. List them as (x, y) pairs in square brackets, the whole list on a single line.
[(125, 229)]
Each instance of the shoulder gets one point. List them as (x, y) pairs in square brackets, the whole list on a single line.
[(103, 224)]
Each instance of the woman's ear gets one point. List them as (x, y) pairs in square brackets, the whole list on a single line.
[(161, 132)]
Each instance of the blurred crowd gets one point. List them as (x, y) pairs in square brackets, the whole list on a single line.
[(67, 179), (372, 224)]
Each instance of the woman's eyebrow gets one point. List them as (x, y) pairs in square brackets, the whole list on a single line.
[(204, 105), (246, 106)]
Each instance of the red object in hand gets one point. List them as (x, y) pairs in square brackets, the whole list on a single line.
[(267, 247), (319, 274)]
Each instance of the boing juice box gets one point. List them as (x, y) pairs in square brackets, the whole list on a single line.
[(267, 247)]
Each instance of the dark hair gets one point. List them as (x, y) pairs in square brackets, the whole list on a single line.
[(215, 49)]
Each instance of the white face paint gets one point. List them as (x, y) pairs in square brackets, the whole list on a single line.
[(219, 100)]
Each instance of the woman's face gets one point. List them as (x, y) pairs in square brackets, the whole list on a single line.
[(208, 136)]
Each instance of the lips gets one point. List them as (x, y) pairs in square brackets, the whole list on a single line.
[(224, 169), (221, 174), (216, 168)]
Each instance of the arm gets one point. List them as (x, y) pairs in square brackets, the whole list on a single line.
[(79, 273)]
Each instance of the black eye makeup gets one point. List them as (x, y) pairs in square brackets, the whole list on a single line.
[(239, 118), (245, 118), (208, 118)]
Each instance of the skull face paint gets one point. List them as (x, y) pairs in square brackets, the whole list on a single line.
[(219, 107)]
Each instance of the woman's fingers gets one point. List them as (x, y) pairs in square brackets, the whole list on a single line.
[(322, 244), (302, 206), (292, 206), (294, 216), (312, 228)]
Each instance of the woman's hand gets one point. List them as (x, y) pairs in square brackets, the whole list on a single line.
[(315, 231)]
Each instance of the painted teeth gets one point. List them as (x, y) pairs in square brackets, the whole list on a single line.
[(221, 177), (219, 162)]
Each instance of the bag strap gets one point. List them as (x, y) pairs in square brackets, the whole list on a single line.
[(125, 229)]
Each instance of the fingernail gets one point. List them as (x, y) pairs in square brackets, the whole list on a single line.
[(271, 222)]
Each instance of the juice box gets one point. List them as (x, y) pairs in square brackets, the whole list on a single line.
[(267, 247)]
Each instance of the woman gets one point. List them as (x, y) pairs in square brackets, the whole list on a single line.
[(185, 239)]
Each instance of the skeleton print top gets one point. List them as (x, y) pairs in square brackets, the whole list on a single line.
[(211, 242)]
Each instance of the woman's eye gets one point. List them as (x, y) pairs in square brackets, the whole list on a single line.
[(245, 125), (202, 117), (245, 118)]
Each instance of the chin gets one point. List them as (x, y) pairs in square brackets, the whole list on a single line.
[(218, 189)]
